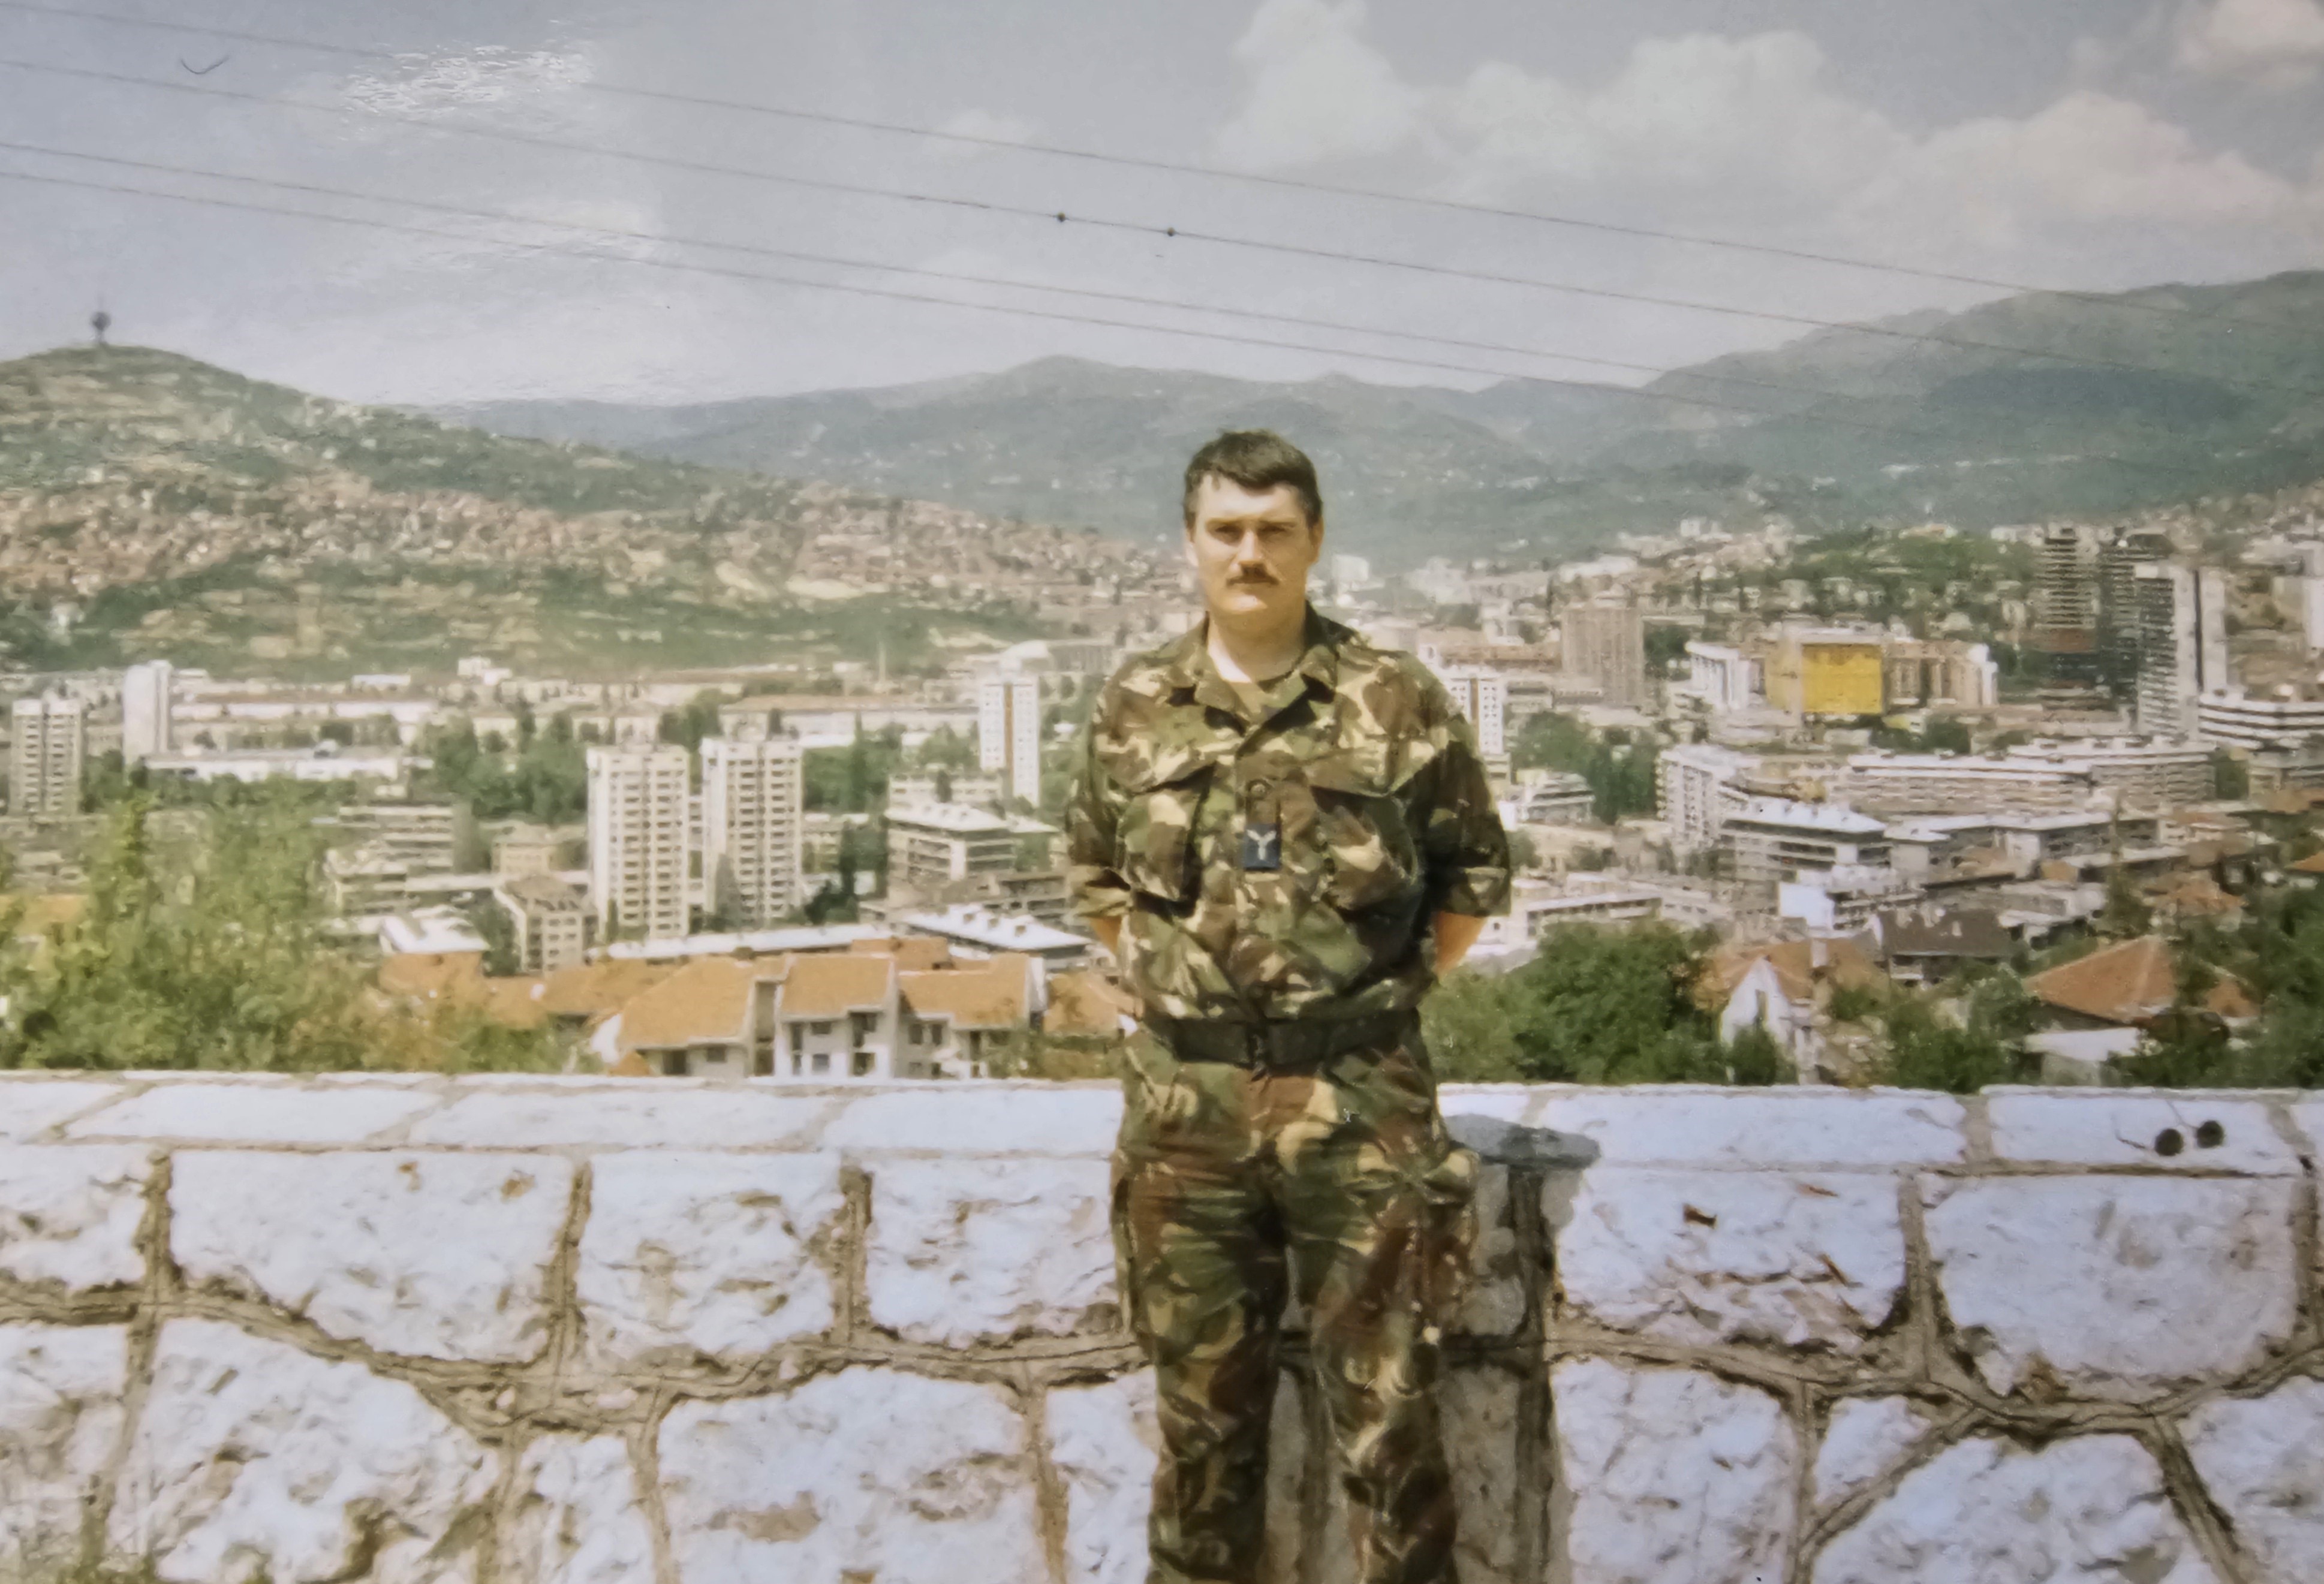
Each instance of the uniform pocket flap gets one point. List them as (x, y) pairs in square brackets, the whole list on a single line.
[(1370, 770)]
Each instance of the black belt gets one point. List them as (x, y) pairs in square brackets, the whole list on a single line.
[(1285, 1045)]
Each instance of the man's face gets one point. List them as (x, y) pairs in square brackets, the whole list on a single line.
[(1252, 551)]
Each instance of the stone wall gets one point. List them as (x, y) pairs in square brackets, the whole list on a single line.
[(587, 1330)]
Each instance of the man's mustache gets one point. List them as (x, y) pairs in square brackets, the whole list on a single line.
[(1257, 579)]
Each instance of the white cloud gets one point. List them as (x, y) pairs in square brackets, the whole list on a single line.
[(2275, 44), (1751, 136), (1319, 91), (488, 78)]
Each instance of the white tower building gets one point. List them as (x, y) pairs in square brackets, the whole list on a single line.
[(637, 839), (46, 755), (1008, 734), (146, 697), (752, 810), (1483, 697)]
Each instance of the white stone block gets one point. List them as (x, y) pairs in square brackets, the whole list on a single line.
[(253, 1457), (2089, 1511), (2263, 1461), (2308, 1116), (714, 1255), (1802, 1259), (2111, 1128), (2116, 1286), (435, 1256), (254, 1113), (576, 1517), (30, 1107), (61, 1395), (1672, 1125), (963, 1251), (1677, 1476), (865, 1474), (1862, 1441), (1504, 1102), (1104, 1444), (637, 1115), (1014, 1120), (68, 1214)]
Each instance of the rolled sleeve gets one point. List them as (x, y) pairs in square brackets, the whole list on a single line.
[(1468, 852), (1092, 808)]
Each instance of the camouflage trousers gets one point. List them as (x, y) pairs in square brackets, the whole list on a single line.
[(1232, 1189)]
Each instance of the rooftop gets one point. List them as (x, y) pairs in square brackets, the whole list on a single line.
[(1822, 816)]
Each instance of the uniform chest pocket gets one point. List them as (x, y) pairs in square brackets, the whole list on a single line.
[(1154, 838), (1364, 828)]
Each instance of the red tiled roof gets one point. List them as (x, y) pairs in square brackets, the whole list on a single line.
[(828, 985), (2127, 984), (988, 995), (705, 1002)]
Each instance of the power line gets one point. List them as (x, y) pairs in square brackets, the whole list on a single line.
[(1438, 364), (1179, 168), (964, 277), (1060, 216)]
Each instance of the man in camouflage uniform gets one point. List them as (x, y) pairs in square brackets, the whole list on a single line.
[(1285, 835)]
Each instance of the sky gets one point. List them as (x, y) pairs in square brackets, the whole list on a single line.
[(2088, 144)]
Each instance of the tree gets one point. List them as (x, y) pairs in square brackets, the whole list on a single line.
[(1600, 1005), (491, 921)]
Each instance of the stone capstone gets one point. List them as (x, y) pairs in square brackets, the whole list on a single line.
[(249, 1113), (2173, 1132), (575, 1519), (633, 1115), (432, 1255), (1677, 1476), (2262, 1459), (704, 1254), (68, 1215), (2115, 1287), (2087, 1511), (252, 1458), (963, 1251), (1805, 1260), (61, 1405), (1104, 1443), (868, 1474), (1658, 1124), (990, 1119), (1862, 1440)]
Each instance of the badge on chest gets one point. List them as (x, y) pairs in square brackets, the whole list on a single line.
[(1261, 847)]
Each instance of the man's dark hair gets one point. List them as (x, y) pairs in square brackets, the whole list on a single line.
[(1257, 460)]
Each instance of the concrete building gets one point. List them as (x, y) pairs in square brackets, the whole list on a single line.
[(326, 761), (1825, 673), (1008, 734), (551, 922), (1483, 697), (2254, 721), (637, 839), (46, 756), (1607, 644), (1965, 783), (525, 849), (2183, 645), (423, 838), (2065, 633), (1549, 797), (977, 788), (753, 796), (1694, 789), (1774, 839), (146, 701), (937, 842), (1722, 676), (1917, 675)]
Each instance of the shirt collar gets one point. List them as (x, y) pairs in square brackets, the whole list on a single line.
[(1190, 666)]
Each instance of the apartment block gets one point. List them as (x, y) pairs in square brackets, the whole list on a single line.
[(1481, 694), (2183, 645), (2258, 722), (942, 841), (637, 839), (422, 837), (753, 802), (1722, 676), (1008, 734), (1695, 788), (1607, 644), (1774, 839), (551, 922), (46, 756)]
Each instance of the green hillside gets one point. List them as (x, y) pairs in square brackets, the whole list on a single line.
[(2034, 406)]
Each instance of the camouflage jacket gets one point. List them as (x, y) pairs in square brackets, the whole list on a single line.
[(1380, 812)]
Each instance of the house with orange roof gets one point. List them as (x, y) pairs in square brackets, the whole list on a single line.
[(826, 1016), (2128, 986)]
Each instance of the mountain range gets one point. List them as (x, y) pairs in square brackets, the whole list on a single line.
[(2037, 405)]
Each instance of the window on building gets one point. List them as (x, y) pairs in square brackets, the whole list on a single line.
[(823, 1029), (673, 1063), (862, 1064), (823, 1061)]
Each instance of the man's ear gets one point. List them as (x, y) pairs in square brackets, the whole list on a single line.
[(1191, 559)]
